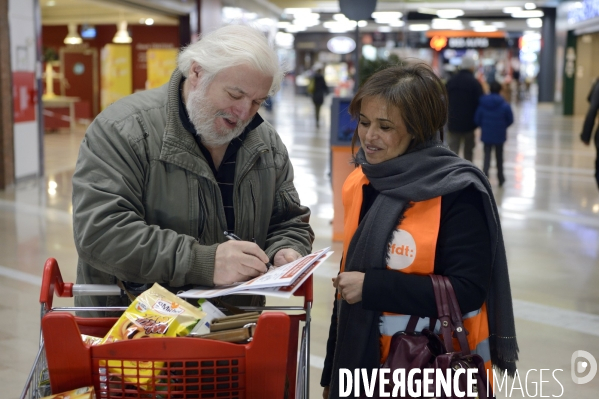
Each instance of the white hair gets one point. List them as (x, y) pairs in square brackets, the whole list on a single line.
[(233, 45)]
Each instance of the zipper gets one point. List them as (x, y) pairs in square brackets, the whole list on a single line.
[(247, 167), (201, 214), (253, 228)]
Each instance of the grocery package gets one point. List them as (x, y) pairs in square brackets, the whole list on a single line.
[(203, 326), (155, 313), (79, 393), (91, 340)]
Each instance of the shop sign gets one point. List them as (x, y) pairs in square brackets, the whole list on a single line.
[(587, 9), (341, 45), (438, 42), (468, 42)]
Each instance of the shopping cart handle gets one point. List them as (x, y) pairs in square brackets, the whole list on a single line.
[(51, 283)]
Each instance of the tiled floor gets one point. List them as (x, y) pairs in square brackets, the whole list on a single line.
[(550, 215)]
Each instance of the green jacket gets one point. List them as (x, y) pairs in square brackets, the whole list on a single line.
[(147, 208)]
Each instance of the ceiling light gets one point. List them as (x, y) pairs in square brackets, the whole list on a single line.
[(362, 24), (425, 10), (384, 29), (386, 15), (51, 3), (149, 21), (340, 25), (486, 28), (284, 40), (454, 24), (450, 13), (295, 11), (509, 10), (397, 24), (474, 24), (530, 6), (528, 14), (340, 17), (419, 27), (73, 36), (295, 28), (283, 24), (122, 35), (534, 22), (232, 13), (498, 24)]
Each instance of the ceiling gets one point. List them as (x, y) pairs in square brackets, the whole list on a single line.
[(99, 12), (165, 12)]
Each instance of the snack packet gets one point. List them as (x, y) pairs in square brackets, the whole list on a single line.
[(155, 313), (91, 340), (80, 393)]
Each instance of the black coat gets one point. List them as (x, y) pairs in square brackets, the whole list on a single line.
[(589, 121), (464, 93), (320, 89)]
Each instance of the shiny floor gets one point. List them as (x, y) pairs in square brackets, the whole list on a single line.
[(550, 215)]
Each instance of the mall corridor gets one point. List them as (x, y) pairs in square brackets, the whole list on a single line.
[(549, 208)]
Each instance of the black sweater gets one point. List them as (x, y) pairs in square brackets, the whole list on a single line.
[(463, 254)]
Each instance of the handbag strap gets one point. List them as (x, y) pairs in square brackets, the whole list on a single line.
[(456, 316), (443, 311)]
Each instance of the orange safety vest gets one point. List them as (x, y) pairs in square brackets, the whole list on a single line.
[(412, 250)]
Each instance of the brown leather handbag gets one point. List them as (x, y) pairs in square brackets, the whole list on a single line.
[(410, 349)]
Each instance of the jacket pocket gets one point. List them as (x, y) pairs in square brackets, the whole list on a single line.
[(289, 198)]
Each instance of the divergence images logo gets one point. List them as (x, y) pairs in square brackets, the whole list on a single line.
[(582, 361)]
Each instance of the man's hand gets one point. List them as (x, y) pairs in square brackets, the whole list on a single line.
[(325, 393), (349, 285), (238, 261), (285, 256)]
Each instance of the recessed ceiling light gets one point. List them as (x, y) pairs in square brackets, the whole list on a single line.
[(149, 21), (450, 13), (530, 6), (528, 14), (509, 10), (418, 27)]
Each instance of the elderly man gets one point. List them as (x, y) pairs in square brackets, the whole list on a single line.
[(162, 174)]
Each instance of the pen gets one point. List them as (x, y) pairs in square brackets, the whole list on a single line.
[(231, 236)]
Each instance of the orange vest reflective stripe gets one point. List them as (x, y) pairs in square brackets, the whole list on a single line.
[(412, 250)]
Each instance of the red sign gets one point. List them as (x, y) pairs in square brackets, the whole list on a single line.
[(438, 42), (24, 96)]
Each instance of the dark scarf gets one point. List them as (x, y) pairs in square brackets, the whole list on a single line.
[(428, 171)]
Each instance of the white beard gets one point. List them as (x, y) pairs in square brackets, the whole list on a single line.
[(203, 118)]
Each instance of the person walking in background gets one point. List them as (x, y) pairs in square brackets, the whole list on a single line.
[(494, 115), (589, 123), (319, 90), (464, 92)]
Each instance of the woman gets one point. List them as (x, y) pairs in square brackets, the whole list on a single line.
[(413, 208)]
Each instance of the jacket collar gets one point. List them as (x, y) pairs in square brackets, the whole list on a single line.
[(179, 146)]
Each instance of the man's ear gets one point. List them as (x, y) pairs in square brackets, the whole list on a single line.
[(195, 74)]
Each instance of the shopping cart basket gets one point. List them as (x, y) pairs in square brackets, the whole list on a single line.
[(179, 367)]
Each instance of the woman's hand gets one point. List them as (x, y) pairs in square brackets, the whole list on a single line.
[(349, 285), (325, 393)]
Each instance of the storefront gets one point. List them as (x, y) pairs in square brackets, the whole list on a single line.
[(496, 52), (581, 54)]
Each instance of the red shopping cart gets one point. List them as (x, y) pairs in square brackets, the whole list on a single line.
[(181, 367)]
